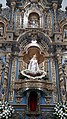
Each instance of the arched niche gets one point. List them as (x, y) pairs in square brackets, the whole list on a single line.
[(33, 20), (1, 29), (43, 41), (65, 31), (28, 49), (3, 26), (32, 101), (63, 28), (37, 9)]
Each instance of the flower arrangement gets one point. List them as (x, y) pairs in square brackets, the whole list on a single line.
[(6, 110), (60, 111)]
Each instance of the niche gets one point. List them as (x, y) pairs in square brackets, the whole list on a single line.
[(33, 20), (1, 29), (32, 101), (65, 32)]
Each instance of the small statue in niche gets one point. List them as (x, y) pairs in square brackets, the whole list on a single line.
[(65, 33), (1, 31), (34, 20), (33, 70), (33, 65)]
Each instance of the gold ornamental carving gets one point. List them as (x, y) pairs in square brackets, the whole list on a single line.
[(37, 84)]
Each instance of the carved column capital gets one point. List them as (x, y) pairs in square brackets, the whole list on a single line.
[(13, 4), (58, 53), (47, 99), (22, 13), (55, 5)]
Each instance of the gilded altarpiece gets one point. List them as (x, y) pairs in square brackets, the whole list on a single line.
[(33, 31)]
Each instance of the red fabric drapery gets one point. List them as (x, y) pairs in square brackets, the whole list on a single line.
[(33, 101)]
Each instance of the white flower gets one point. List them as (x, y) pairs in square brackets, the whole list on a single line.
[(60, 110), (6, 117), (6, 110)]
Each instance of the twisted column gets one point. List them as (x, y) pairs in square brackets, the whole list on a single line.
[(45, 18), (55, 97), (60, 67), (60, 78), (6, 75), (12, 17), (55, 5), (22, 15), (65, 80)]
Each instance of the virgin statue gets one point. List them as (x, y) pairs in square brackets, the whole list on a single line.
[(33, 65), (33, 70)]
